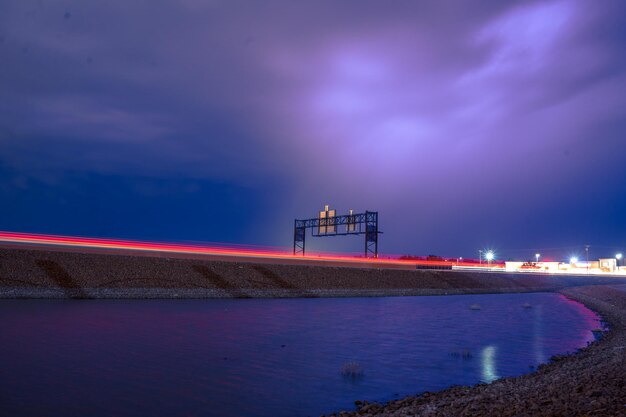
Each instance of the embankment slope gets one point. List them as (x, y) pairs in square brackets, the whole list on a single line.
[(62, 274)]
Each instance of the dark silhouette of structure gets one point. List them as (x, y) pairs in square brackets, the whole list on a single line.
[(328, 224)]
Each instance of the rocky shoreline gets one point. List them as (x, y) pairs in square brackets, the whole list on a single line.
[(591, 382)]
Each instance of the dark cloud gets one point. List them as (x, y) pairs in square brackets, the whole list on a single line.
[(439, 114)]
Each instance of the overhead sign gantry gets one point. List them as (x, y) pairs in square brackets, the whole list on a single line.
[(329, 224)]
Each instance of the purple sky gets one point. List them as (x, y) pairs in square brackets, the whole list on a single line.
[(467, 125)]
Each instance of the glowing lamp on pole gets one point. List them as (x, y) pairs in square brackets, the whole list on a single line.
[(618, 257), (537, 255), (489, 256)]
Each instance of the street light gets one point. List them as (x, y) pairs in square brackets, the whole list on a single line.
[(573, 260), (489, 257), (537, 255), (618, 257), (480, 257)]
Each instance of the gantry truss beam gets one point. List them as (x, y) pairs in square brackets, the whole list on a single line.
[(349, 224)]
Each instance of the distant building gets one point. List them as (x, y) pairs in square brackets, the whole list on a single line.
[(512, 266), (531, 266), (608, 264)]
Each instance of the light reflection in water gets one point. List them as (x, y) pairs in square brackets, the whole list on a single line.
[(538, 335), (489, 364)]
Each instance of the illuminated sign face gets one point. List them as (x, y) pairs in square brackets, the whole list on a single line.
[(351, 225), (326, 228)]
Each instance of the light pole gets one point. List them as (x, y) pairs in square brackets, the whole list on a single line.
[(537, 255), (489, 256), (587, 253), (480, 257), (618, 257)]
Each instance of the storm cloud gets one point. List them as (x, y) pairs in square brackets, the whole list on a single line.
[(466, 124)]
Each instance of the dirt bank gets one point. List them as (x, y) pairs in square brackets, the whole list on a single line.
[(58, 274), (589, 383)]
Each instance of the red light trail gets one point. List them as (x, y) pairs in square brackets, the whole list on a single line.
[(139, 247)]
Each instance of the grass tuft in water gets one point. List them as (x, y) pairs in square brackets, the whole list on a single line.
[(465, 354), (352, 370)]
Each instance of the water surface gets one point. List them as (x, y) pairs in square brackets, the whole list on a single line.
[(278, 357)]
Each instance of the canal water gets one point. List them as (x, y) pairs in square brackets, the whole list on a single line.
[(281, 357)]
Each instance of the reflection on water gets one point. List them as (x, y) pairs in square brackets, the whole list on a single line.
[(538, 349), (283, 357), (489, 364)]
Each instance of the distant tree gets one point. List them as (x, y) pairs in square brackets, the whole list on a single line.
[(411, 258)]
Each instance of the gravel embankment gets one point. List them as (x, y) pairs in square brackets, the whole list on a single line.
[(27, 273), (591, 382)]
